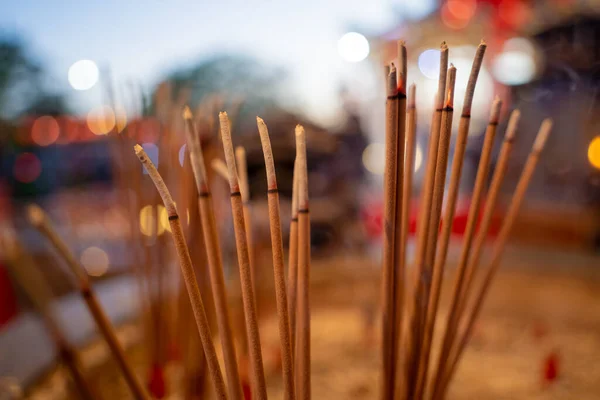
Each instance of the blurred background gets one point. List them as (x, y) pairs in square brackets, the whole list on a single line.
[(79, 78)]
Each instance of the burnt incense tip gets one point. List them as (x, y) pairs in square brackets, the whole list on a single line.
[(138, 149), (444, 46), (412, 94), (451, 80), (513, 121), (187, 113), (35, 215), (495, 112), (542, 135), (482, 42), (401, 42), (299, 132), (392, 83)]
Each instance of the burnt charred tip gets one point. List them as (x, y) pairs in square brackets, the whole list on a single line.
[(444, 46), (392, 83)]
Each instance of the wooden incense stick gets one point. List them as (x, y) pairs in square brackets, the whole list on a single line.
[(500, 242), (409, 160), (492, 196), (438, 267), (37, 217), (398, 275), (252, 333), (434, 219), (187, 271), (215, 261), (293, 262), (303, 379), (410, 335), (220, 168), (29, 278), (278, 265), (389, 218), (242, 167)]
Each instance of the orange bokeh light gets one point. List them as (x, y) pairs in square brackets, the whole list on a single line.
[(101, 120), (456, 14), (45, 131)]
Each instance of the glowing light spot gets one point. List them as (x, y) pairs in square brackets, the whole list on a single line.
[(45, 131), (163, 218), (451, 20), (148, 225), (101, 120), (182, 154), (373, 158), (429, 63), (27, 168), (462, 9), (152, 152), (594, 152), (83, 75), (120, 119), (95, 261), (513, 68), (418, 158), (353, 47)]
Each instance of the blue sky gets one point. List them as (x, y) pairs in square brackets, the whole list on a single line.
[(142, 40)]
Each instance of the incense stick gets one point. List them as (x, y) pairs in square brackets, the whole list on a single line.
[(29, 278), (293, 262), (187, 271), (240, 155), (278, 268), (303, 379), (462, 267), (40, 221), (220, 168), (389, 221), (244, 262), (438, 267), (215, 261), (409, 160), (398, 274), (501, 240)]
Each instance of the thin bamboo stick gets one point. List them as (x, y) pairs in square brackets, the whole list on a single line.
[(242, 165), (26, 273), (500, 242), (398, 275), (303, 379), (492, 196), (278, 264), (189, 276), (239, 225), (293, 262), (409, 160), (41, 222), (215, 261), (411, 339), (455, 175), (389, 218)]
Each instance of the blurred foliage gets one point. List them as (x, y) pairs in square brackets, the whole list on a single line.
[(234, 80), (22, 89)]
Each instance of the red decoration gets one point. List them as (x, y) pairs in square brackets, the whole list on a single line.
[(157, 382), (551, 368)]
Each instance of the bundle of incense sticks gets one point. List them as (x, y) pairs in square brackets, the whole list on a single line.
[(409, 313)]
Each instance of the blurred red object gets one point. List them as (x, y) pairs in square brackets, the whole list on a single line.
[(8, 299), (156, 385), (551, 368)]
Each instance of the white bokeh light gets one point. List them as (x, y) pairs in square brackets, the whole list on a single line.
[(353, 47), (514, 68), (83, 74)]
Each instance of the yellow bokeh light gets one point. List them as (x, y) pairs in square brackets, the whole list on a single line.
[(101, 120), (594, 152), (148, 221), (95, 261), (373, 158)]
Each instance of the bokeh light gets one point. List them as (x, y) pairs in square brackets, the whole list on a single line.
[(182, 154), (27, 168), (101, 120), (418, 158), (462, 9), (429, 63), (83, 74), (45, 130), (95, 261), (373, 158), (453, 20), (594, 152), (148, 222), (513, 68), (353, 47)]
